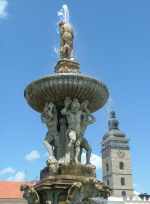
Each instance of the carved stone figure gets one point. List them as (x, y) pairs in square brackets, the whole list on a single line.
[(52, 166), (74, 193), (87, 117), (79, 193), (73, 115), (66, 35), (65, 137), (78, 118), (82, 142), (70, 152), (49, 117), (30, 194)]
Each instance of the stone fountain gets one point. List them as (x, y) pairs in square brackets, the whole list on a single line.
[(66, 101)]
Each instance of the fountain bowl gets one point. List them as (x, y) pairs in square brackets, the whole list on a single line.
[(55, 88)]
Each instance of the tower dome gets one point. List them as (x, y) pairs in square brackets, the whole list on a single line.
[(113, 127)]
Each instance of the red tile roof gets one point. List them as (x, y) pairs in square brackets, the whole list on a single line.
[(10, 190)]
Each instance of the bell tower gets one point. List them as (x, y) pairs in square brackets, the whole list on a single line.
[(116, 160)]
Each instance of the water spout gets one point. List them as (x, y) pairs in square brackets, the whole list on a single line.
[(64, 13)]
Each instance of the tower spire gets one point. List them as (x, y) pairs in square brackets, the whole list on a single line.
[(113, 122)]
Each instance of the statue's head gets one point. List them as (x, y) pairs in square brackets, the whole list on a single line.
[(67, 27), (50, 106), (24, 187), (75, 106), (67, 101), (66, 32), (85, 104)]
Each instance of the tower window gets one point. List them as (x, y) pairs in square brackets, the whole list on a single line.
[(124, 194), (122, 181), (121, 165), (107, 167), (107, 182)]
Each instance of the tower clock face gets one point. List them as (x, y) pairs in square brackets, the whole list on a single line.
[(121, 154)]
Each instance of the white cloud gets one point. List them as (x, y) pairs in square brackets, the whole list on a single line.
[(95, 160), (136, 196), (19, 176), (7, 170), (56, 51), (136, 193), (3, 8), (33, 155)]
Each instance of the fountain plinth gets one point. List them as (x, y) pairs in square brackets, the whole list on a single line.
[(67, 66), (66, 101)]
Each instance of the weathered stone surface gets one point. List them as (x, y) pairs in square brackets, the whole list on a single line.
[(55, 169), (73, 189), (75, 182)]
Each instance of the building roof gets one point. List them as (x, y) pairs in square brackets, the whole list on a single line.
[(10, 190)]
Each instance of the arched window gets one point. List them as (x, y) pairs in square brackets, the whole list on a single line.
[(122, 181), (107, 167), (121, 165)]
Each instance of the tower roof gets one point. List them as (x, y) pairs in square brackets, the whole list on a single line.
[(113, 127)]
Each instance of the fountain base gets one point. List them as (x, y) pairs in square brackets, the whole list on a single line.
[(69, 184)]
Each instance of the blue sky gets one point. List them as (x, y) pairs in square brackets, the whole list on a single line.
[(112, 44)]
